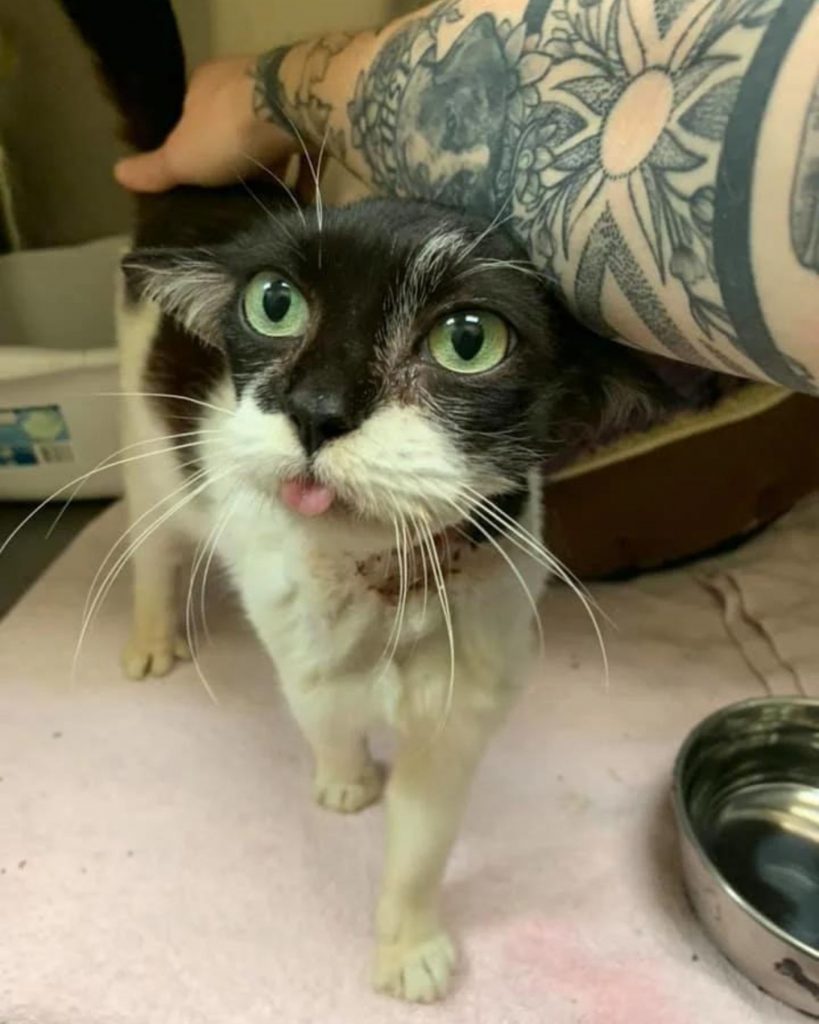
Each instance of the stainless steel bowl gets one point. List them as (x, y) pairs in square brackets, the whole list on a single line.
[(746, 794)]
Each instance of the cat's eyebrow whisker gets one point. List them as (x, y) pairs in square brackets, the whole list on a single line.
[(279, 181), (495, 223), (515, 265), (257, 200), (319, 197), (311, 166)]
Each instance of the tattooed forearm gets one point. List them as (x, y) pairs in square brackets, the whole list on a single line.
[(296, 107), (805, 193), (610, 135)]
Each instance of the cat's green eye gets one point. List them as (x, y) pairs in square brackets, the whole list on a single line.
[(275, 307), (470, 341)]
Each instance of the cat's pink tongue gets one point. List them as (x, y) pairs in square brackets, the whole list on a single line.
[(306, 497)]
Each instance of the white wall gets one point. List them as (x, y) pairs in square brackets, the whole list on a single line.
[(242, 26)]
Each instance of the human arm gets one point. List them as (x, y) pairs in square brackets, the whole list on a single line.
[(658, 158)]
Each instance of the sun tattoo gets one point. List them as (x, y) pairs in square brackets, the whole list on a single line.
[(645, 102)]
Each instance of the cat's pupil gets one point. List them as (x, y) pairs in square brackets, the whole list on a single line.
[(467, 338), (277, 300)]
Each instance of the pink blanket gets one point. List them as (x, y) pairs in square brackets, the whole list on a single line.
[(161, 862)]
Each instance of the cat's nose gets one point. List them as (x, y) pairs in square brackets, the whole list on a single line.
[(319, 417)]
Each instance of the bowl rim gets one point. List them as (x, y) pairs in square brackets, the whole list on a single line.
[(684, 820)]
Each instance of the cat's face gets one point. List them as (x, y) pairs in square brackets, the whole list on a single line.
[(394, 362)]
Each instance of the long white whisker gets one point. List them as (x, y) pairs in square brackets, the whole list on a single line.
[(94, 591), (71, 483), (105, 464), (257, 200), (280, 182), (160, 394), (422, 553), (319, 199), (496, 222), (405, 573), (403, 586), (191, 628), (537, 552), (443, 597), (311, 166), (514, 569), (529, 538), (206, 574), (129, 529), (123, 559)]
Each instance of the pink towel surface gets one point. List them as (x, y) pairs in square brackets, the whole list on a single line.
[(161, 861)]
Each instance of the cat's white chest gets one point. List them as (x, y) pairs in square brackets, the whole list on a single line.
[(312, 611)]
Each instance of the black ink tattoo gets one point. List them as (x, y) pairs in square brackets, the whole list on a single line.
[(732, 228), (540, 122), (560, 182), (667, 12), (300, 106), (805, 191), (606, 250), (268, 96), (497, 123), (431, 127)]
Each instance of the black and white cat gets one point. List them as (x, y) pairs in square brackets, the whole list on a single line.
[(359, 407)]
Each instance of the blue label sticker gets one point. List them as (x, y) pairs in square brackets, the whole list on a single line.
[(34, 436)]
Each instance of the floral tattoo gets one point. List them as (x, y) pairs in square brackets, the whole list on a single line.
[(598, 132)]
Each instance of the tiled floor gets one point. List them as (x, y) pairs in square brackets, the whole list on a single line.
[(33, 549)]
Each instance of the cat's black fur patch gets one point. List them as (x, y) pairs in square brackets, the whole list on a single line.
[(372, 309), (556, 391)]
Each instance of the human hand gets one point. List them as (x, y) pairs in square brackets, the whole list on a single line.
[(218, 139)]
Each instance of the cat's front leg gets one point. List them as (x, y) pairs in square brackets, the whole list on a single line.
[(334, 716), (426, 795), (156, 642)]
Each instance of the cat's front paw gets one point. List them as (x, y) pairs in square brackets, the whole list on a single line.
[(418, 973), (349, 797), (153, 657)]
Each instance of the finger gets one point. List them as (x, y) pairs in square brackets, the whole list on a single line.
[(146, 172)]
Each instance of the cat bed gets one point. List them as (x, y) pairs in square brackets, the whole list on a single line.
[(686, 487), (160, 858)]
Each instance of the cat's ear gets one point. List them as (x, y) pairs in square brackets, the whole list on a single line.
[(190, 285), (640, 390), (608, 391), (630, 399)]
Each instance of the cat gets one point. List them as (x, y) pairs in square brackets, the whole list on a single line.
[(358, 408)]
